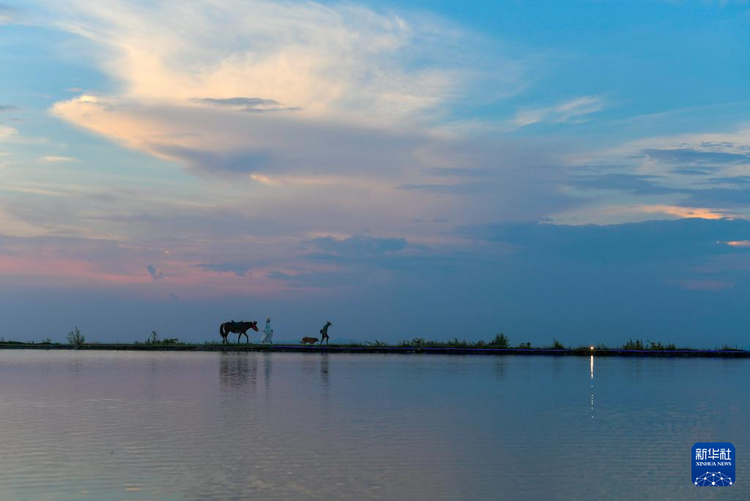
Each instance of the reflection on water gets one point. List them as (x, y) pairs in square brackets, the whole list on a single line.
[(237, 370), (232, 426), (592, 386), (324, 369)]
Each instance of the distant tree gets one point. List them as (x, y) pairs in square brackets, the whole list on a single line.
[(75, 337), (634, 345), (655, 345), (500, 341), (557, 345)]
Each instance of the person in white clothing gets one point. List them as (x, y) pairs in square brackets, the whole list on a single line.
[(267, 332)]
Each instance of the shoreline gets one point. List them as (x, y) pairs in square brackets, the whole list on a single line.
[(405, 350)]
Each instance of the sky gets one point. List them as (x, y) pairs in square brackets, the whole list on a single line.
[(573, 170)]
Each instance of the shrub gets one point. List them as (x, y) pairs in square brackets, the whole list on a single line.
[(455, 343), (652, 345), (557, 345), (634, 345), (500, 341), (154, 339), (525, 346), (75, 337), (727, 347)]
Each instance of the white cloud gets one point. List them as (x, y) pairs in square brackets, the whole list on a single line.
[(57, 159), (7, 131), (269, 90), (8, 14), (297, 116), (566, 111), (343, 61)]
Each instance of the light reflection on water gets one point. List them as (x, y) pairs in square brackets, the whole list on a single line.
[(592, 386), (196, 426)]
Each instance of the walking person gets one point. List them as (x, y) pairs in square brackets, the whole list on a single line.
[(267, 333), (324, 332)]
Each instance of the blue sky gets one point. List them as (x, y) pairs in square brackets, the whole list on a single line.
[(577, 170)]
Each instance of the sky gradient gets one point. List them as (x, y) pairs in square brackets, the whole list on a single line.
[(577, 170)]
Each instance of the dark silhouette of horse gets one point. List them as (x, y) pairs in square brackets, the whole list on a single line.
[(238, 328)]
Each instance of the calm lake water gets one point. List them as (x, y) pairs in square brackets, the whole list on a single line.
[(238, 426)]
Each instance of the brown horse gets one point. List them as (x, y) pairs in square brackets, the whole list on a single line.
[(238, 328)]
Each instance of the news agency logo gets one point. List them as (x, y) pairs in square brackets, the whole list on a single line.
[(714, 464)]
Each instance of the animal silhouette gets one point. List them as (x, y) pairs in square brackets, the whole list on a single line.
[(239, 328)]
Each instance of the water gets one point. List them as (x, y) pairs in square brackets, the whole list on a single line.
[(237, 426)]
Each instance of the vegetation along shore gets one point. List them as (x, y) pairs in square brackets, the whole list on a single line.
[(500, 345)]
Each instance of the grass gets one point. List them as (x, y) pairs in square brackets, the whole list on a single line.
[(648, 345), (155, 340)]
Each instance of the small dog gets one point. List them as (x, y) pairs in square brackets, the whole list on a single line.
[(309, 340)]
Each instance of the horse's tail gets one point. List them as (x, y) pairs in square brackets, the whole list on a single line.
[(222, 331)]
